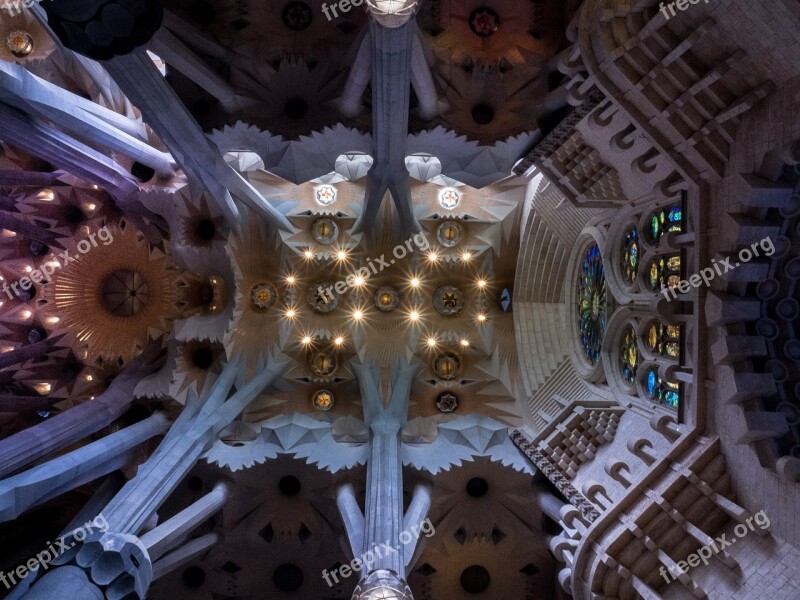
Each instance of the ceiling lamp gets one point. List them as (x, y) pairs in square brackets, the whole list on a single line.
[(325, 195), (323, 364), (382, 584), (449, 198), (392, 13), (447, 366)]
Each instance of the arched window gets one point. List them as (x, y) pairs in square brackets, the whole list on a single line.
[(592, 303), (663, 221), (664, 271), (664, 340), (660, 391), (630, 256), (629, 355)]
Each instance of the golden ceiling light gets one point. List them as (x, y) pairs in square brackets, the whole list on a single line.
[(291, 313), (432, 256), (339, 341), (466, 256), (359, 281), (308, 254), (26, 314), (431, 341), (465, 343), (415, 282), (358, 315), (46, 195), (291, 279), (306, 340), (414, 316), (341, 255), (481, 318), (20, 43), (482, 283)]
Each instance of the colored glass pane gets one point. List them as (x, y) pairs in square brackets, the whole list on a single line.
[(592, 303), (629, 355), (664, 221), (660, 391), (630, 256)]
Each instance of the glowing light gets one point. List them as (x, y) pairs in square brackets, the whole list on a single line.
[(482, 283), (359, 281), (53, 320), (414, 316), (43, 388), (91, 206), (95, 187), (46, 195), (26, 314), (358, 315), (415, 282), (481, 317), (431, 342), (89, 378), (9, 233), (28, 268), (341, 255), (449, 198), (291, 280), (326, 195), (306, 340), (308, 254), (465, 343), (339, 341), (432, 256), (291, 313), (466, 256)]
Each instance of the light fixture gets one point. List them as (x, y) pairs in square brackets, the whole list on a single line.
[(466, 256), (291, 313), (91, 206), (89, 378), (325, 195), (359, 281), (432, 256), (341, 255), (323, 400), (26, 314), (449, 198), (20, 43), (53, 320), (306, 340), (431, 342), (43, 388), (308, 254), (339, 341), (358, 315), (291, 280), (465, 343), (481, 317), (28, 268), (414, 316), (482, 283), (46, 195), (415, 282)]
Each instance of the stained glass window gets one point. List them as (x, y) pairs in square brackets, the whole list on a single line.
[(664, 221), (630, 256), (592, 303), (660, 391), (629, 355), (664, 340), (664, 271)]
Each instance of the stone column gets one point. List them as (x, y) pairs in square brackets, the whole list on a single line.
[(73, 425)]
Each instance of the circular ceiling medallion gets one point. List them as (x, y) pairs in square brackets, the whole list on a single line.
[(449, 198), (323, 400), (263, 295), (325, 231), (448, 300), (125, 293), (484, 21), (447, 402), (322, 297), (297, 16), (20, 43), (323, 363), (450, 234), (447, 366), (387, 299), (325, 195)]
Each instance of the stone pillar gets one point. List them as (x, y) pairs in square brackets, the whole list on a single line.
[(352, 517), (161, 539), (53, 478), (73, 425), (65, 582)]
